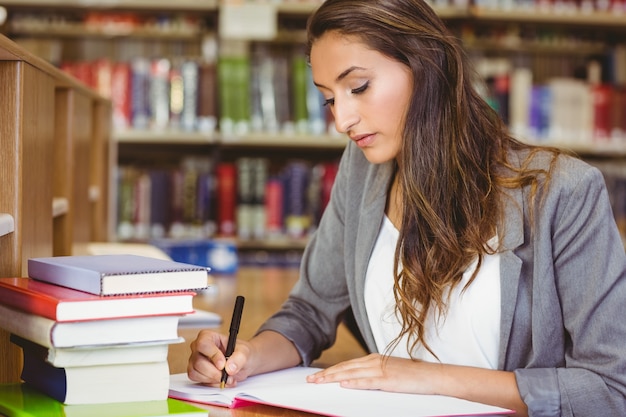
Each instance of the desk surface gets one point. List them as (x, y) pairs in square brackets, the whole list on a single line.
[(265, 289)]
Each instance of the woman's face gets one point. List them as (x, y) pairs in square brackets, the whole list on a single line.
[(367, 92)]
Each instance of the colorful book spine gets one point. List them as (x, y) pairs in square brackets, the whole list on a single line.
[(260, 172), (274, 207), (226, 174), (601, 99), (244, 198), (140, 98), (121, 95), (296, 177), (299, 92), (225, 68), (176, 95), (189, 71), (159, 94), (241, 93)]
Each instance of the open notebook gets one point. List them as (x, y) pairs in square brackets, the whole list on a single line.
[(288, 389)]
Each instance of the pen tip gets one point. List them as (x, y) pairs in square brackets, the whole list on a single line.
[(222, 385)]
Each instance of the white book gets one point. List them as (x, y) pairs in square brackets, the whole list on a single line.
[(100, 384), (50, 333), (98, 355)]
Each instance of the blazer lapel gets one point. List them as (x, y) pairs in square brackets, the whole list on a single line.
[(370, 219), (510, 266)]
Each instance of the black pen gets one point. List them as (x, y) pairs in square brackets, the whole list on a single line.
[(232, 335)]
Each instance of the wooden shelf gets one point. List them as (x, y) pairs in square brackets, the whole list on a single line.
[(198, 5), (7, 224), (537, 16), (286, 141), (78, 30), (308, 8), (582, 49), (278, 243), (172, 137)]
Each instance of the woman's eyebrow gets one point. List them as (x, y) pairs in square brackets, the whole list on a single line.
[(341, 76)]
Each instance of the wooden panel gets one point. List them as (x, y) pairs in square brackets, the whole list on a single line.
[(101, 161), (10, 255), (35, 218), (82, 126), (63, 186), (46, 129), (26, 135)]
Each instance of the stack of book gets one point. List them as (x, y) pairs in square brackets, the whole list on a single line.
[(96, 329)]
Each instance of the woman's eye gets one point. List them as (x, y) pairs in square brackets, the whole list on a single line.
[(360, 89), (329, 102)]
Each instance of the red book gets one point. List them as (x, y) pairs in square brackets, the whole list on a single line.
[(328, 180), (274, 206), (226, 174), (65, 304), (120, 95), (601, 96)]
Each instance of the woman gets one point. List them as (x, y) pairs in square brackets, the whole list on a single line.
[(509, 269)]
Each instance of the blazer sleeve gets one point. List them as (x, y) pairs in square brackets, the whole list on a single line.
[(585, 258)]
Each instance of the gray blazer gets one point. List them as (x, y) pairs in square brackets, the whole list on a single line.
[(563, 330)]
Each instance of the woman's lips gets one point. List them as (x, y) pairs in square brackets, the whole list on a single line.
[(363, 140)]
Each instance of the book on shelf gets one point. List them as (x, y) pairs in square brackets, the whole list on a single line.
[(159, 94), (244, 220), (299, 81), (207, 86), (176, 94), (274, 207), (141, 212), (601, 95), (118, 274), (160, 196), (260, 173), (316, 111), (50, 333), (65, 304), (120, 95), (98, 384), (226, 196), (97, 355), (140, 92), (296, 178), (288, 389), (251, 180), (22, 400), (188, 117)]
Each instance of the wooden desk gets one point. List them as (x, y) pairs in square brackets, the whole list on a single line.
[(265, 289)]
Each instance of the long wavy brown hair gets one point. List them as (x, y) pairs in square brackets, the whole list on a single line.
[(454, 164)]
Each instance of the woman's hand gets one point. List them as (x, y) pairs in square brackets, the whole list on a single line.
[(378, 372), (207, 359), (384, 373), (266, 352)]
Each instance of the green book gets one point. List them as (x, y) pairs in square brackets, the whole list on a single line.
[(21, 400), (299, 91)]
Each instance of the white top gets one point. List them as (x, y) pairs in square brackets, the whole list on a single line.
[(470, 332)]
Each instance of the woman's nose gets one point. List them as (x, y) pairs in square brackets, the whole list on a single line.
[(345, 117)]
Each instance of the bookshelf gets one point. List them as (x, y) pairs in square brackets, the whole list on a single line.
[(549, 42), (54, 189)]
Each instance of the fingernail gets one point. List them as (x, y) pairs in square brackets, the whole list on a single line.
[(232, 367)]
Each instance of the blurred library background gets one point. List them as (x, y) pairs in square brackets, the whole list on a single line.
[(223, 152)]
